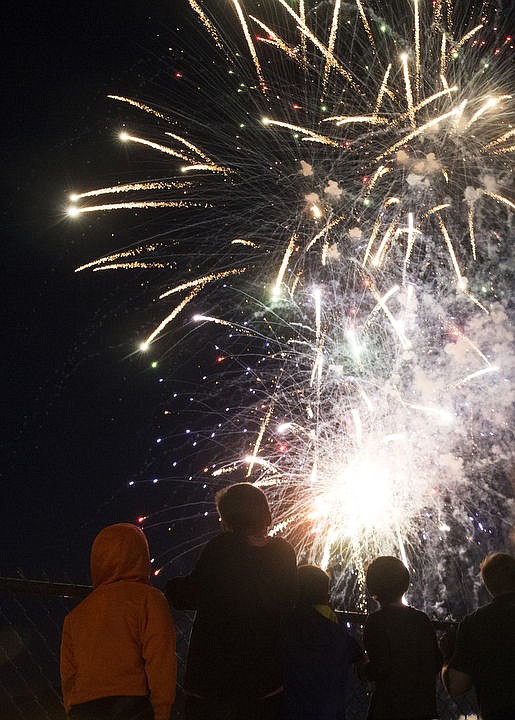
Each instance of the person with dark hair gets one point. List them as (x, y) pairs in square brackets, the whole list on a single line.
[(484, 654), (242, 588), (318, 653), (403, 655), (118, 645)]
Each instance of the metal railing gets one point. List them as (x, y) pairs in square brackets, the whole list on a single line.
[(31, 616)]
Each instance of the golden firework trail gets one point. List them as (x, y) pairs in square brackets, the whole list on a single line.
[(192, 147), (382, 90), (412, 135), (126, 137), (435, 209), (253, 459), (303, 38), (368, 119), (241, 241), (284, 264), (135, 265), (316, 42), (381, 250), (500, 198), (330, 46), (443, 54), (372, 238), (133, 252), (366, 24), (276, 41), (381, 170), (417, 47), (130, 187), (168, 319), (220, 321), (462, 283), (471, 230), (250, 44), (206, 22), (409, 94), (311, 134), (467, 36), (430, 99), (491, 102), (74, 211), (498, 141), (141, 106), (201, 281)]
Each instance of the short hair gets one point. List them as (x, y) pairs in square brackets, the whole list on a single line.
[(312, 585), (498, 573), (387, 578), (243, 508)]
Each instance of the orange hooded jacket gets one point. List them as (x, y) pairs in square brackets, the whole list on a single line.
[(120, 640)]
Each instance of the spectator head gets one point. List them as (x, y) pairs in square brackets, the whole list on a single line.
[(498, 573), (387, 579), (243, 509), (313, 585)]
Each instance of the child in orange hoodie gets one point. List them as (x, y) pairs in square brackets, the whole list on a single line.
[(118, 645)]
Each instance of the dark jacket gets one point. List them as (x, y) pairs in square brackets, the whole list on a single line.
[(404, 662), (242, 594), (318, 653), (485, 650)]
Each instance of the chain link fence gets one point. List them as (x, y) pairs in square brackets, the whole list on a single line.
[(31, 617)]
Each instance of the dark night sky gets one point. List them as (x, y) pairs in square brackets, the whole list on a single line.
[(78, 407)]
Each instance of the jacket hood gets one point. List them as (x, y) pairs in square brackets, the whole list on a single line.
[(120, 552)]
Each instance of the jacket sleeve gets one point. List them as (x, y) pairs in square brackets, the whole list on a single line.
[(183, 592), (68, 668), (462, 657), (158, 642)]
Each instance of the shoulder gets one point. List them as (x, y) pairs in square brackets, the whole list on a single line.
[(397, 616), (376, 619), (282, 547), (482, 616), (418, 615), (155, 595), (219, 545)]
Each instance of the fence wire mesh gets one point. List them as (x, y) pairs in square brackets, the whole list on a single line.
[(31, 617)]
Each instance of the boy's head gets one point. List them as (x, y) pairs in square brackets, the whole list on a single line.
[(387, 579), (243, 508), (498, 573), (313, 585), (120, 552)]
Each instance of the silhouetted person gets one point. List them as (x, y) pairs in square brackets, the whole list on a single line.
[(318, 653), (400, 642), (484, 655), (242, 588), (118, 645)]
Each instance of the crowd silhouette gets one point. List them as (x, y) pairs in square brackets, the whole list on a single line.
[(266, 643)]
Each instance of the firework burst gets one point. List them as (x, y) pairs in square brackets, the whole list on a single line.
[(360, 204)]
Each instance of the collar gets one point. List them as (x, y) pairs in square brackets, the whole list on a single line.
[(326, 612)]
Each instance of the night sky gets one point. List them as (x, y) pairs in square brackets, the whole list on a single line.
[(78, 403)]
